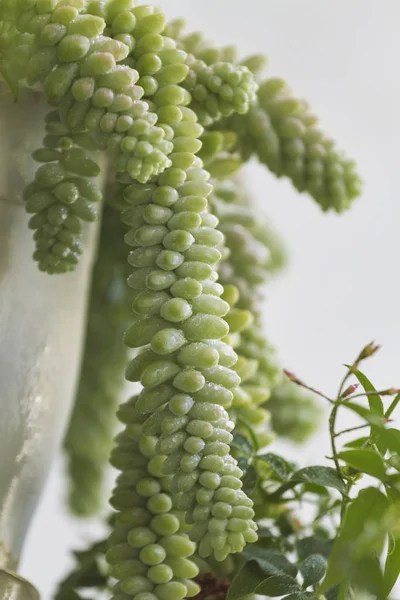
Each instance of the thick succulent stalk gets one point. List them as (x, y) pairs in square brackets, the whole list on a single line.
[(89, 438)]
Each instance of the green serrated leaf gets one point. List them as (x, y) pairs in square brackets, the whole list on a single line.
[(278, 585), (270, 561), (365, 460), (365, 511), (313, 569), (319, 475), (281, 467), (246, 581), (314, 544)]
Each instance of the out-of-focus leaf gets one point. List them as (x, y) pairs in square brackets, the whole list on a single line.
[(249, 479), (391, 438), (325, 476), (242, 444), (270, 561), (278, 585), (365, 511), (314, 544), (281, 467), (246, 581), (392, 564), (358, 443)]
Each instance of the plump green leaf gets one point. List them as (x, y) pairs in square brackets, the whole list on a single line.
[(278, 585), (365, 511), (314, 544), (365, 460), (313, 569), (249, 479), (325, 476), (246, 581), (270, 561), (392, 564), (299, 596), (281, 467)]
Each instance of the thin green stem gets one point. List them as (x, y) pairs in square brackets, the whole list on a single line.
[(351, 429), (392, 407)]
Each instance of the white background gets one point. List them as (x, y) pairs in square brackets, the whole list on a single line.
[(342, 286)]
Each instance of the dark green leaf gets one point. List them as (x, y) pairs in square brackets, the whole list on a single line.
[(358, 443), (314, 544), (251, 435), (365, 460), (270, 561), (281, 467), (392, 564), (313, 569), (313, 488), (246, 581), (278, 585), (325, 476), (299, 596), (333, 593), (374, 400), (365, 511), (242, 444), (249, 479)]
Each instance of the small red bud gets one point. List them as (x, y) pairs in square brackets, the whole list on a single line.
[(293, 377), (350, 390)]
